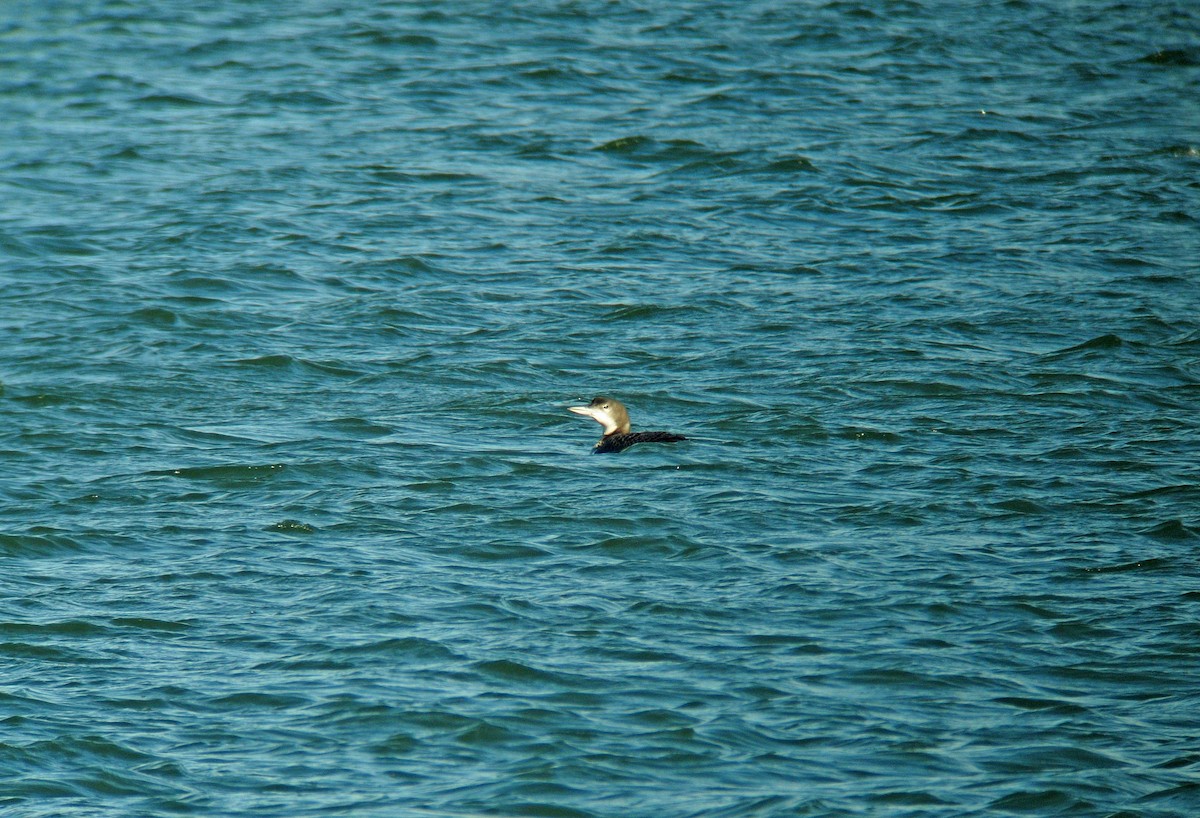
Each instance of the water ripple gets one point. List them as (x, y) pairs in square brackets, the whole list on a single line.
[(295, 519)]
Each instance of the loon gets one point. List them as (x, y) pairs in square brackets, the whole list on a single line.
[(614, 417)]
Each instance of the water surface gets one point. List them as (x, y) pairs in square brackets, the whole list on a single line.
[(294, 521)]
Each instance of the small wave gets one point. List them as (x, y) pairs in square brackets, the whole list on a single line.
[(500, 552), (682, 155), (1180, 151), (1101, 342), (407, 648), (231, 475), (639, 311), (422, 265), (142, 623), (155, 316), (1171, 530), (869, 434), (284, 361), (377, 36), (1056, 705), (1039, 802), (176, 101), (300, 100), (40, 545), (292, 527), (273, 361), (1020, 506), (512, 671), (1151, 564), (625, 144), (1173, 57), (792, 164), (68, 628), (257, 701)]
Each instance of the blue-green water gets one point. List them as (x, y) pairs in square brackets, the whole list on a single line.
[(293, 518)]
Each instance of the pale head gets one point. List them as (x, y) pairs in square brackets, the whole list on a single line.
[(609, 413)]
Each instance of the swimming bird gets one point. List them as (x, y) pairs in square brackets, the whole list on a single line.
[(614, 417)]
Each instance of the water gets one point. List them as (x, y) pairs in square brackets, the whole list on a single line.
[(295, 522)]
